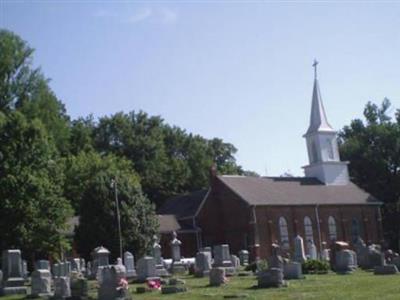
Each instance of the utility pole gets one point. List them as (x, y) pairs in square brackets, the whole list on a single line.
[(114, 185)]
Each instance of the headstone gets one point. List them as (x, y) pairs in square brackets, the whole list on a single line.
[(100, 258), (217, 276), (62, 287), (75, 264), (273, 277), (312, 250), (222, 258), (56, 270), (275, 260), (25, 269), (146, 267), (368, 257), (292, 270), (79, 286), (386, 270), (41, 282), (177, 267), (324, 252), (112, 284), (129, 262), (299, 255), (89, 270), (13, 276), (235, 261), (119, 262), (160, 269), (244, 257), (202, 264), (42, 265), (345, 263)]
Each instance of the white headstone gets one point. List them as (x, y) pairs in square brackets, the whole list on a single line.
[(129, 262), (299, 255), (41, 282), (146, 267)]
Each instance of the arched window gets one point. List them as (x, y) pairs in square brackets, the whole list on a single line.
[(314, 151), (355, 230), (332, 232), (329, 145), (308, 230), (284, 232)]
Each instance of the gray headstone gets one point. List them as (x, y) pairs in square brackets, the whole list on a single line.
[(100, 258), (292, 270), (222, 257), (42, 265), (244, 257), (62, 287), (13, 275), (235, 261), (272, 277), (299, 255), (217, 276), (202, 264), (146, 267), (386, 270), (312, 250), (75, 264), (129, 262), (109, 286), (175, 247), (41, 282), (345, 261)]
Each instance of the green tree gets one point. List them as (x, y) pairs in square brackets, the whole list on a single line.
[(90, 176), (32, 208), (373, 149)]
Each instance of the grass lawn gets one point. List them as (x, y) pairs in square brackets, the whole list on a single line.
[(359, 285)]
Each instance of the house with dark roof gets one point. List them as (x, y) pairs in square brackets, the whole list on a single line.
[(254, 212)]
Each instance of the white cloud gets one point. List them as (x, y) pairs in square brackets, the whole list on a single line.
[(140, 15), (168, 15)]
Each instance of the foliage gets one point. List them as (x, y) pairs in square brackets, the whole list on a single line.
[(314, 266), (32, 208), (93, 175), (259, 265), (373, 149)]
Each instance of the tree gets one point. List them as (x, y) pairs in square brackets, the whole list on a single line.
[(32, 208), (373, 149), (90, 175)]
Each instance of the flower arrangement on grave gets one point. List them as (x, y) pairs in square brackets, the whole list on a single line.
[(154, 284), (123, 285)]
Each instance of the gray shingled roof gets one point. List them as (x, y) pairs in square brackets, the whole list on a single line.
[(294, 191), (183, 206)]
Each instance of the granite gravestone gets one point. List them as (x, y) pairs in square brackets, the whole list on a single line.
[(222, 258), (202, 264), (217, 276), (41, 283), (160, 269), (13, 276), (62, 288), (244, 257), (146, 268), (111, 287), (177, 266), (299, 254), (129, 262), (42, 265)]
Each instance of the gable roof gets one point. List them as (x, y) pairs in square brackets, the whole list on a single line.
[(183, 206), (167, 223), (295, 191)]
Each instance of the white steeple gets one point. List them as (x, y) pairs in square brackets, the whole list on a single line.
[(323, 153)]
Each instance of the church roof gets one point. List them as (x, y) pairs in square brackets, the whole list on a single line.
[(183, 206), (167, 223), (295, 191), (318, 119)]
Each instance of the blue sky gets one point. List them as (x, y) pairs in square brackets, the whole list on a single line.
[(238, 70)]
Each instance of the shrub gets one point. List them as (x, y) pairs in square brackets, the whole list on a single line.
[(314, 266), (257, 265)]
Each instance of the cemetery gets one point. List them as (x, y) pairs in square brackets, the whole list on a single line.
[(361, 273)]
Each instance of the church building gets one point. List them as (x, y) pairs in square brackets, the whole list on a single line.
[(254, 212)]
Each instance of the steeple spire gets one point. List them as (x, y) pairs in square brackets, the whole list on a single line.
[(318, 119)]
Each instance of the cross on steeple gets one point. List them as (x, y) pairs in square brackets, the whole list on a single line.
[(315, 64)]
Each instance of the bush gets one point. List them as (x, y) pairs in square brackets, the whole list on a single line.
[(314, 266), (257, 265)]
